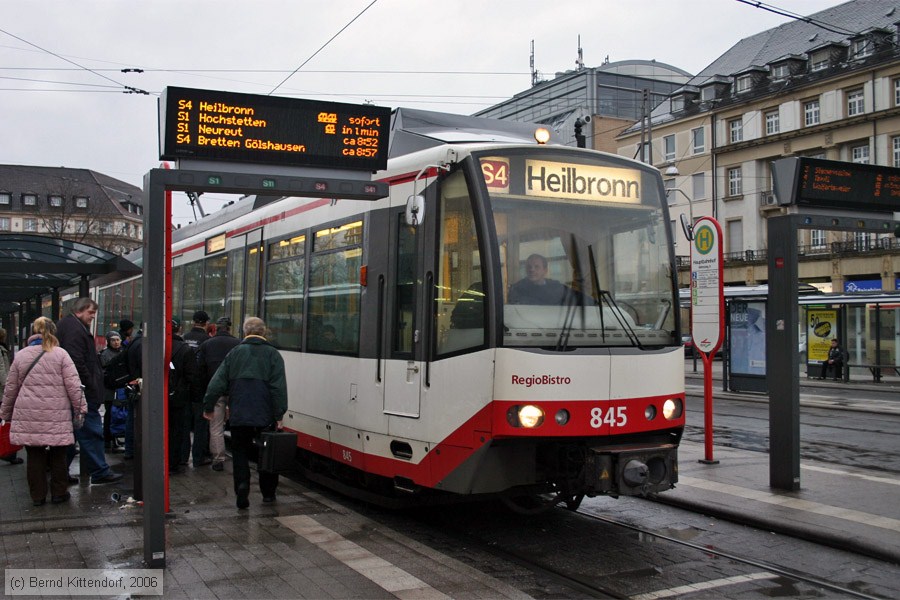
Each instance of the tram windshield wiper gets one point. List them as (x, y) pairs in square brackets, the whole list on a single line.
[(605, 297)]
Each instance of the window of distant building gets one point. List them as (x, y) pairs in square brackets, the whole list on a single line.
[(895, 151), (5, 199), (698, 137), (698, 180), (81, 227), (56, 201), (860, 154), (861, 240), (56, 225), (862, 48), (744, 84), (4, 224), (855, 103), (106, 228), (81, 201), (897, 92), (811, 113), (817, 238), (669, 147), (736, 130), (29, 225), (781, 71), (29, 200), (819, 61), (773, 124), (735, 176)]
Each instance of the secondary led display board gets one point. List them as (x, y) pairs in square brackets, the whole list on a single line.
[(227, 126), (818, 183)]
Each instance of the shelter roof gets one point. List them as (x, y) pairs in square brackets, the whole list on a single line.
[(32, 265)]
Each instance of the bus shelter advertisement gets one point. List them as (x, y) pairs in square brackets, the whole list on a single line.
[(748, 337), (821, 328)]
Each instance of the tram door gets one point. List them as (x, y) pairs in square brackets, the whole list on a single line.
[(403, 367)]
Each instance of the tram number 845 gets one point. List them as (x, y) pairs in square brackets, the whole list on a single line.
[(615, 417)]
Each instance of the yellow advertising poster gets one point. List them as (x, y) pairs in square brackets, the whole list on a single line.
[(821, 328)]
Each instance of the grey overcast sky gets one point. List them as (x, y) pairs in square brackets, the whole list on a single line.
[(61, 78)]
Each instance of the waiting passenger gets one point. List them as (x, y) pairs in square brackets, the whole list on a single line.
[(253, 378), (834, 361), (42, 394), (536, 288), (211, 354), (199, 447), (328, 341)]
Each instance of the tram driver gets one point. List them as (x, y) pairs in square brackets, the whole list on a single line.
[(536, 287)]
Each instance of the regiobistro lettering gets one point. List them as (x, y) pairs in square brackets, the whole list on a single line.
[(540, 380)]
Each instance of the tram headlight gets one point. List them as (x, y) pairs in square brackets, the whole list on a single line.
[(541, 135), (531, 416), (672, 408)]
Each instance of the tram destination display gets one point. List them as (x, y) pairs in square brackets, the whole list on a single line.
[(850, 186), (227, 126)]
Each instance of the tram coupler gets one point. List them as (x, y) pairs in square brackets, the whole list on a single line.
[(631, 471)]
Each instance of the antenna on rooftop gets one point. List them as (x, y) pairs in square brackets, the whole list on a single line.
[(579, 62), (534, 75)]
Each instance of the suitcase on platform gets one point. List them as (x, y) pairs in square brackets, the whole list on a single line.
[(6, 447), (277, 450)]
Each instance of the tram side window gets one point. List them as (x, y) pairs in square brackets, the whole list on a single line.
[(334, 290), (283, 296), (176, 291), (460, 299), (251, 293), (214, 286), (192, 288), (233, 304)]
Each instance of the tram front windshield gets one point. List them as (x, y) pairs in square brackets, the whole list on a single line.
[(583, 247)]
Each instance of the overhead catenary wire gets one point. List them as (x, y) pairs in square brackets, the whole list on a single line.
[(322, 47), (127, 88)]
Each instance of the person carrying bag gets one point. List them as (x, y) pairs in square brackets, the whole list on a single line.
[(43, 400)]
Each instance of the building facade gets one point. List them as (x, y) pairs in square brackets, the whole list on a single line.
[(612, 96), (74, 204), (828, 88)]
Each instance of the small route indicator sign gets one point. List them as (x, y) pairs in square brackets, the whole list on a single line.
[(707, 292), (227, 126)]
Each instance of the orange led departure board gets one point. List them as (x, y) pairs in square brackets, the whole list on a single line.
[(227, 126), (833, 184)]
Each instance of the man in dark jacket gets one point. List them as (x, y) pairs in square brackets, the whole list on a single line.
[(184, 384), (253, 378), (76, 339), (199, 449), (210, 355)]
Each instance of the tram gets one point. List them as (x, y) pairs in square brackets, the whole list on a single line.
[(416, 364)]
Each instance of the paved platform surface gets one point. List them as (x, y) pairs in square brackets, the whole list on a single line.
[(848, 507), (305, 546)]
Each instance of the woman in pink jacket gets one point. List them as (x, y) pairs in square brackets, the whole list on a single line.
[(42, 393)]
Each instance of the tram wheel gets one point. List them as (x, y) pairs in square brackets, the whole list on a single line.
[(532, 504), (573, 502)]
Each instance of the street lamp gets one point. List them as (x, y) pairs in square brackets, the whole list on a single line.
[(688, 227)]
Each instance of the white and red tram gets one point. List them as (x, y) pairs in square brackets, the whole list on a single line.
[(410, 368)]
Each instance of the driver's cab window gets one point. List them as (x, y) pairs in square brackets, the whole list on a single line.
[(459, 293)]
